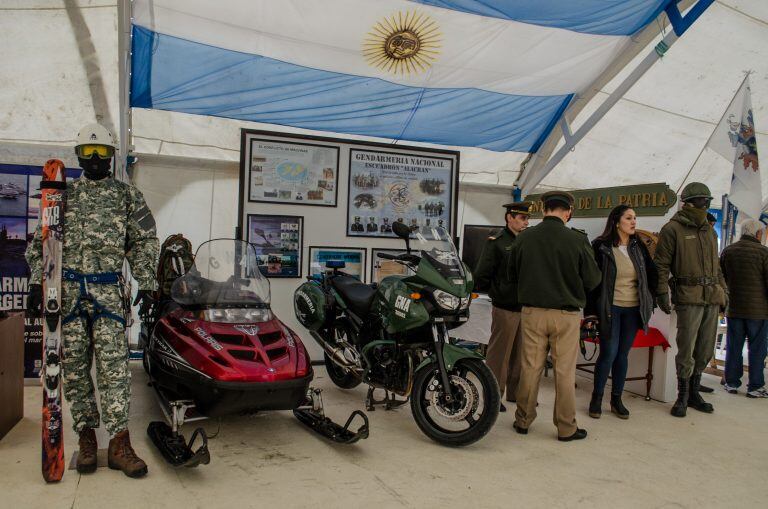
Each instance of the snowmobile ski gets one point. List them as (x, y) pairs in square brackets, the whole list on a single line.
[(52, 186), (313, 416), (175, 449)]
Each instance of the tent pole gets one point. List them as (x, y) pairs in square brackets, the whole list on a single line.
[(534, 177), (539, 167), (124, 77)]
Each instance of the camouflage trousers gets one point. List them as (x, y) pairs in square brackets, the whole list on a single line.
[(90, 337)]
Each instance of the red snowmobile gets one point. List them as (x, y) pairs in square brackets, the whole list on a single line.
[(214, 347)]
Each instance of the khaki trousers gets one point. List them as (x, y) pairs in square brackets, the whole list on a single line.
[(559, 330), (503, 355)]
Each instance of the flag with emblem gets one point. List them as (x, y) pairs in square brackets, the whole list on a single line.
[(734, 139), (493, 74)]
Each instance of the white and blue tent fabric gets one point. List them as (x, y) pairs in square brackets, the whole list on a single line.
[(491, 74), (61, 63)]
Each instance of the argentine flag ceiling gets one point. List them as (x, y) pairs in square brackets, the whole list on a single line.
[(485, 73)]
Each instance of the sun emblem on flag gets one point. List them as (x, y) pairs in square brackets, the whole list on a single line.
[(404, 43)]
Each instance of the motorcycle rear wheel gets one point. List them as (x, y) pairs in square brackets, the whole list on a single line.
[(469, 417)]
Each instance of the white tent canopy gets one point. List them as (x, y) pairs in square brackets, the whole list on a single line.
[(61, 64)]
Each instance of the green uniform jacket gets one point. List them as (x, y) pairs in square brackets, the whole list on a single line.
[(745, 269), (491, 274), (687, 252), (106, 221), (554, 265)]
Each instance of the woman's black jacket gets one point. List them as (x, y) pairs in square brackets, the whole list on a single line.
[(600, 299)]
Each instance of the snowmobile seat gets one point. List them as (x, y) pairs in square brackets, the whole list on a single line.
[(357, 294)]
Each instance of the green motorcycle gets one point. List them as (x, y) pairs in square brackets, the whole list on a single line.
[(394, 336)]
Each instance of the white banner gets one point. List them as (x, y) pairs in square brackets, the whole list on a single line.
[(734, 139)]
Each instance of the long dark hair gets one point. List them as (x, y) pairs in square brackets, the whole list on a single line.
[(611, 233)]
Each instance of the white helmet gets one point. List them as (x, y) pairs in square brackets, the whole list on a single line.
[(95, 134)]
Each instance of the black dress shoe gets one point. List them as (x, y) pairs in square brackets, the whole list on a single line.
[(578, 435), (502, 408), (520, 430)]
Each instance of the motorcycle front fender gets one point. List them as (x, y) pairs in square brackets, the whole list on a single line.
[(451, 355)]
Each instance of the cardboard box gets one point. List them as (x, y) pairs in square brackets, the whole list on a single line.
[(11, 371)]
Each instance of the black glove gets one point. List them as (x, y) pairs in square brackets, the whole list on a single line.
[(35, 300), (145, 297), (663, 302)]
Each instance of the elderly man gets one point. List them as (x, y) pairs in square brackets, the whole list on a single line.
[(745, 267)]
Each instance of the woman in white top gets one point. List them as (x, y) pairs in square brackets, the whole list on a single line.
[(623, 303)]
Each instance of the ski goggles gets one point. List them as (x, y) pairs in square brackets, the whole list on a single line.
[(101, 151)]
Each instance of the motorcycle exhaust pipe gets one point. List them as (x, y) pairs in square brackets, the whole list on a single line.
[(336, 354)]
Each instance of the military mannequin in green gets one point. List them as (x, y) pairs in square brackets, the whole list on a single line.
[(106, 222), (491, 275), (689, 267)]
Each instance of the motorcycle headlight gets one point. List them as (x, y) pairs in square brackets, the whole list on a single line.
[(445, 300), (237, 315)]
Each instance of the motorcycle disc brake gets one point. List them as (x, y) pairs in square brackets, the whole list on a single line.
[(470, 400)]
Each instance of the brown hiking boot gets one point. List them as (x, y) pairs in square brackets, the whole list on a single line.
[(86, 456), (122, 457)]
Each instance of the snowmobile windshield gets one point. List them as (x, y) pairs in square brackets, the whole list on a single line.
[(435, 245), (225, 274)]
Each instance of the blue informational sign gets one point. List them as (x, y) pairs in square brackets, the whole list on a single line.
[(278, 241)]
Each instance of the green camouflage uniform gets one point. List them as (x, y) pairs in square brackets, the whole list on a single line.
[(106, 222)]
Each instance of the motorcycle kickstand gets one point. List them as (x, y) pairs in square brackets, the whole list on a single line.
[(390, 402)]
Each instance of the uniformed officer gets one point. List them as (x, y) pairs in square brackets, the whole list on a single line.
[(687, 260), (491, 275), (555, 268), (106, 222)]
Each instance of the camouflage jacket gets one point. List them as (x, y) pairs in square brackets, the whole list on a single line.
[(106, 221)]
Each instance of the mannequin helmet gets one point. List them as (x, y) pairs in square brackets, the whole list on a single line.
[(695, 190), (94, 138)]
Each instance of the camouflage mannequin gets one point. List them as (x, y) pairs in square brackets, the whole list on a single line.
[(106, 222)]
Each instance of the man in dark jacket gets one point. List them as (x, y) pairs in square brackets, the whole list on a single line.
[(745, 268), (491, 275), (688, 264), (555, 268)]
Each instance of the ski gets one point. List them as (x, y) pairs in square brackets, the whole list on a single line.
[(52, 216)]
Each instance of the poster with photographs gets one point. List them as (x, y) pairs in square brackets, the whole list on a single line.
[(386, 187), (353, 258), (278, 241), (289, 172), (381, 268)]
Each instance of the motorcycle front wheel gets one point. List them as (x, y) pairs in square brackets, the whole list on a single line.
[(472, 412)]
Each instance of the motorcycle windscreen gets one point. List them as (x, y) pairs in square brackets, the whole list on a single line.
[(225, 274), (436, 246)]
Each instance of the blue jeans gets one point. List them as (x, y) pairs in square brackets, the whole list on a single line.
[(614, 350), (756, 332)]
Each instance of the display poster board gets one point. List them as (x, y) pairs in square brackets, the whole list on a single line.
[(292, 172), (421, 177), (19, 211), (353, 258), (385, 187), (381, 268), (278, 241)]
